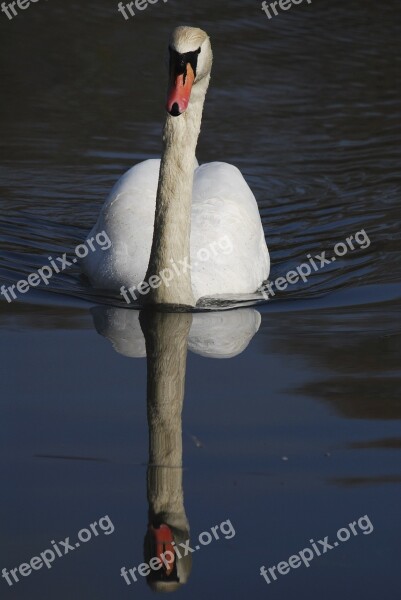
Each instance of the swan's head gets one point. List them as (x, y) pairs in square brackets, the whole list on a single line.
[(190, 62)]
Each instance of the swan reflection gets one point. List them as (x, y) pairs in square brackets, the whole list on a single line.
[(164, 338)]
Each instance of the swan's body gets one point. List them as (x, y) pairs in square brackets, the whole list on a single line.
[(225, 223), (173, 212)]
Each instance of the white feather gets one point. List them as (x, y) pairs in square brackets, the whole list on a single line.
[(224, 214)]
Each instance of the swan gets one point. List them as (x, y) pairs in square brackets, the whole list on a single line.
[(163, 213)]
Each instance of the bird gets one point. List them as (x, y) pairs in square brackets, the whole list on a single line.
[(167, 212)]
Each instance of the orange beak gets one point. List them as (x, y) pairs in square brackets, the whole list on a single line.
[(180, 91)]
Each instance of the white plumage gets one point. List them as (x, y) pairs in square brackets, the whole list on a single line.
[(225, 230)]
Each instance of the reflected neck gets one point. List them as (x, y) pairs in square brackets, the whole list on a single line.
[(166, 336)]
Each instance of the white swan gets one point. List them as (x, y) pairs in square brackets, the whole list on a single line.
[(165, 213)]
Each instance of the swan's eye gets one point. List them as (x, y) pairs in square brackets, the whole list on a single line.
[(179, 62)]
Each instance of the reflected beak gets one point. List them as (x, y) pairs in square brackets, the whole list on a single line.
[(163, 538), (179, 92)]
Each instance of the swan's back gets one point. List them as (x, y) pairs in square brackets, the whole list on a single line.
[(128, 218), (225, 228), (225, 217)]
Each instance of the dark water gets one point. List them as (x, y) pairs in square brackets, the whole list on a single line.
[(290, 423)]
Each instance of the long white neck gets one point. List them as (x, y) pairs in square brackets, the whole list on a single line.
[(172, 228)]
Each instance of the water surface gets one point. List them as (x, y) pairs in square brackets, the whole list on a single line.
[(290, 421)]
